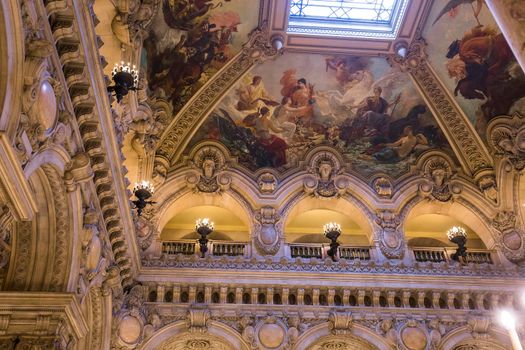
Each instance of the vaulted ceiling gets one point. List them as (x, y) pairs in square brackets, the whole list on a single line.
[(199, 61)]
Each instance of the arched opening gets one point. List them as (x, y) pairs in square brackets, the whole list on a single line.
[(230, 235), (426, 229), (304, 229), (307, 227)]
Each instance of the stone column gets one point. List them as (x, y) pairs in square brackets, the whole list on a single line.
[(510, 16)]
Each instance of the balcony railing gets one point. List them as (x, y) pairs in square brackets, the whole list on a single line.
[(433, 254), (307, 251), (319, 250), (217, 248), (178, 247), (312, 250), (228, 249)]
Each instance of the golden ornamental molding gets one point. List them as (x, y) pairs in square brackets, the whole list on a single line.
[(257, 49)]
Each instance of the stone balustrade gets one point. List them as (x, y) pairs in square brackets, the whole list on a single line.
[(319, 251), (318, 296), (438, 254)]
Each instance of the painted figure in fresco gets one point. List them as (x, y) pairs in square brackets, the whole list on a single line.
[(300, 94), (371, 118), (453, 4), (186, 42), (481, 62), (403, 147), (262, 123), (343, 74), (372, 131), (252, 96)]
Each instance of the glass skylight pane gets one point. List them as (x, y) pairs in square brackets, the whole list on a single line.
[(358, 18), (359, 10)]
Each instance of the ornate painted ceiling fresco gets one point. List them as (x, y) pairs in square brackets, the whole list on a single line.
[(474, 61), (369, 112), (190, 40)]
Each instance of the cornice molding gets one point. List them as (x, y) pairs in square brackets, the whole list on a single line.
[(24, 309)]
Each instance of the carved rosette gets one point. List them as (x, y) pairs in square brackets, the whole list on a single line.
[(509, 236), (389, 236), (506, 138), (267, 231)]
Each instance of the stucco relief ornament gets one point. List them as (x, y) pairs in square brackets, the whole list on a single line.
[(413, 336), (327, 182), (506, 136), (383, 187), (487, 185), (267, 231), (387, 328), (145, 227), (267, 183), (39, 118), (340, 322), (438, 184), (209, 176), (390, 238), (271, 333), (509, 236), (128, 325), (92, 246)]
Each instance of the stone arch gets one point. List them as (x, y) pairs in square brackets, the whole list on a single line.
[(188, 199), (42, 257), (178, 331), (461, 338), (458, 210), (315, 336), (346, 205), (11, 64)]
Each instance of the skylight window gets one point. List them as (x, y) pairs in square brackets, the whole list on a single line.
[(356, 18)]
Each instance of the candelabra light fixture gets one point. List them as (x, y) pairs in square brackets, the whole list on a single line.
[(203, 227), (458, 235), (143, 191), (126, 78), (332, 231)]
